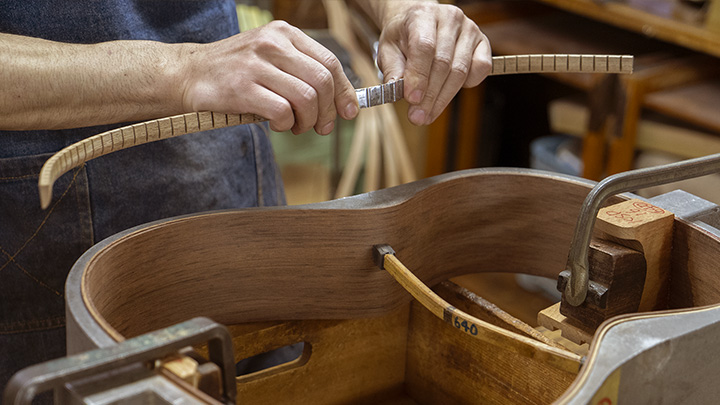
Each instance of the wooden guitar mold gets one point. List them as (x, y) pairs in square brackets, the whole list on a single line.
[(306, 273)]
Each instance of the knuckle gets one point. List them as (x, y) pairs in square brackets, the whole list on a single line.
[(329, 60), (468, 26), (430, 95), (443, 60), (425, 44), (324, 80), (266, 45), (455, 13), (279, 25), (307, 95), (460, 68), (420, 8), (281, 113)]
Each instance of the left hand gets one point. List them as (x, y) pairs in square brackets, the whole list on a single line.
[(437, 49)]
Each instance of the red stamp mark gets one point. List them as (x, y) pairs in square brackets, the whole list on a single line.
[(636, 211)]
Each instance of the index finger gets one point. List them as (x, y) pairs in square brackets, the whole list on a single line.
[(481, 63), (422, 42)]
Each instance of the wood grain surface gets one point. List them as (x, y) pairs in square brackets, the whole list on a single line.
[(314, 262), (621, 272), (646, 228), (444, 367)]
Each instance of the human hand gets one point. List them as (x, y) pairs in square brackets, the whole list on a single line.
[(437, 49), (275, 71)]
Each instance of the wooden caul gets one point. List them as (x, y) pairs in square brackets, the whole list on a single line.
[(163, 128)]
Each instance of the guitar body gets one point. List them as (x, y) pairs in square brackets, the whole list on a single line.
[(283, 275)]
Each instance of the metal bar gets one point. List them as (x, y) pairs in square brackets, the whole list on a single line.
[(29, 382), (577, 288)]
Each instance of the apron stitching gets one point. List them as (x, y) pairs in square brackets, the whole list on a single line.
[(12, 257), (27, 176), (11, 328), (27, 273)]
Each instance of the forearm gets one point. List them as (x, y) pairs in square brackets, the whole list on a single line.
[(52, 85)]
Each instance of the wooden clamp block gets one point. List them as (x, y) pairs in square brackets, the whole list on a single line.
[(551, 318), (618, 276), (644, 227), (629, 264)]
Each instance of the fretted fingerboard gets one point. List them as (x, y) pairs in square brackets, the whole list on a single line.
[(128, 136), (561, 63)]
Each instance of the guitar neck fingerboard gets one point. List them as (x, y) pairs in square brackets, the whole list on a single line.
[(561, 63)]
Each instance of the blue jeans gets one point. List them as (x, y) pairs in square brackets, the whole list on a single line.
[(225, 168)]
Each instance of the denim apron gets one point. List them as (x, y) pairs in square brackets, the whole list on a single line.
[(220, 169)]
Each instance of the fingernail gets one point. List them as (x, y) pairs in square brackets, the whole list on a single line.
[(351, 110), (327, 128), (417, 117), (415, 97)]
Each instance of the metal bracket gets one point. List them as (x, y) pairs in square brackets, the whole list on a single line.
[(577, 287), (130, 356), (689, 207)]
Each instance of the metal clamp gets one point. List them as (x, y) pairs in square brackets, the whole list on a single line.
[(577, 287), (55, 374)]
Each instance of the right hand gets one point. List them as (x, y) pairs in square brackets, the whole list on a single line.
[(275, 71)]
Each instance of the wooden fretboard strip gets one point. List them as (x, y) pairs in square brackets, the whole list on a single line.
[(163, 128), (128, 136), (561, 63)]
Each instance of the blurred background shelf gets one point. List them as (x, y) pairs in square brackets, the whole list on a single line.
[(669, 106)]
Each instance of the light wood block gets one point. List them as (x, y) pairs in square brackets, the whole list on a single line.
[(233, 119), (548, 63), (552, 319), (164, 128), (128, 136), (642, 226), (117, 140), (153, 130), (561, 63), (205, 120), (98, 146), (192, 123), (141, 135), (219, 120), (177, 124)]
